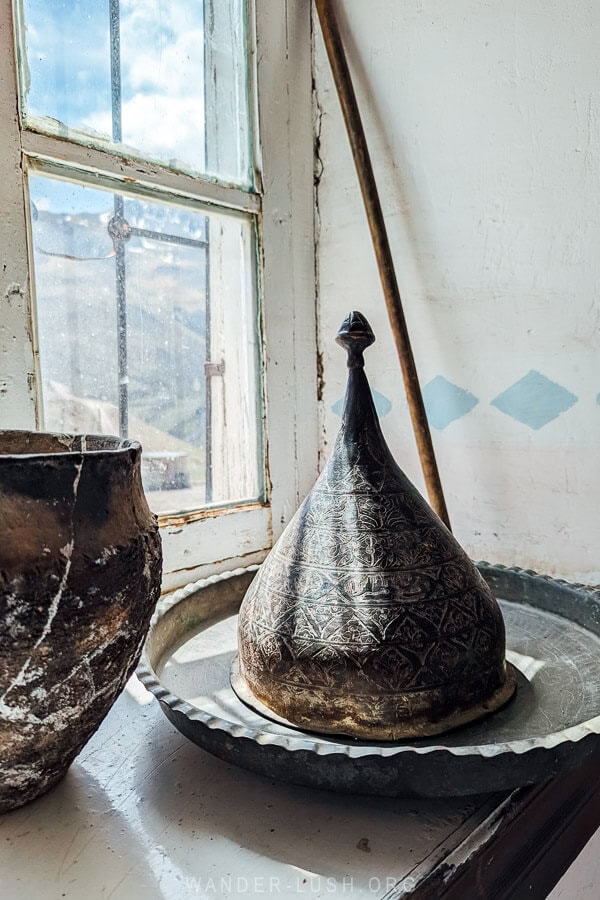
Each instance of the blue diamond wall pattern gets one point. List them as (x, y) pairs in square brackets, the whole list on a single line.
[(445, 402), (534, 400)]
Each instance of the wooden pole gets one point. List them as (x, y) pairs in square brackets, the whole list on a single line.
[(368, 186)]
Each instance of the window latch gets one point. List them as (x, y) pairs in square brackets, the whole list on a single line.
[(214, 368)]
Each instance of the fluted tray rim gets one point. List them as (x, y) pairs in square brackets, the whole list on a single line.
[(299, 741)]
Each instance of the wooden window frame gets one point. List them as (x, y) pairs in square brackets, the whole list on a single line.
[(210, 540)]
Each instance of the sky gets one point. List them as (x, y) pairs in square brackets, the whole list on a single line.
[(162, 76), (161, 63)]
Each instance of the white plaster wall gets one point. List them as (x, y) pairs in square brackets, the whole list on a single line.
[(582, 878), (483, 118)]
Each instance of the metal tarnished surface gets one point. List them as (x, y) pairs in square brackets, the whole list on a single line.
[(368, 618), (551, 726)]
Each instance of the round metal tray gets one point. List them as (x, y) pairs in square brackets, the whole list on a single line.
[(551, 726)]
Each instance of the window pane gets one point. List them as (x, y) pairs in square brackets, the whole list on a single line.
[(144, 75), (147, 328)]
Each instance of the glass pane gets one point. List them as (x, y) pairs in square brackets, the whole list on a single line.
[(147, 328), (160, 79)]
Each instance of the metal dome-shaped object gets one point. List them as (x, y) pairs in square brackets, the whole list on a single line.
[(367, 618)]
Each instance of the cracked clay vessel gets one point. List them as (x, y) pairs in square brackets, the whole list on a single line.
[(367, 618), (80, 570)]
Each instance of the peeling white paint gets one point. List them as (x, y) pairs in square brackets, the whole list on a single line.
[(17, 357), (13, 290)]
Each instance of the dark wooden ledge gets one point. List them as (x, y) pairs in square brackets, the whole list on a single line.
[(524, 847)]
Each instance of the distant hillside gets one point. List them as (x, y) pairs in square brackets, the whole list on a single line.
[(76, 301)]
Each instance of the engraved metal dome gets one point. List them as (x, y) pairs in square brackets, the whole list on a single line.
[(367, 618)]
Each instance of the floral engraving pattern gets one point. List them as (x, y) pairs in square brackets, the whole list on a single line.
[(386, 608), (367, 605)]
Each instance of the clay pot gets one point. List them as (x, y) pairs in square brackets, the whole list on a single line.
[(80, 572)]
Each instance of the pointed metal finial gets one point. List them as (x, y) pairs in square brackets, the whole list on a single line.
[(355, 335)]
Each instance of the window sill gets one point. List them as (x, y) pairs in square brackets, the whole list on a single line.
[(143, 813)]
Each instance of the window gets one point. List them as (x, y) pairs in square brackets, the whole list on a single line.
[(152, 286)]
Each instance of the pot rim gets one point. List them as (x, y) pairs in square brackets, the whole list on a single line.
[(122, 446)]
